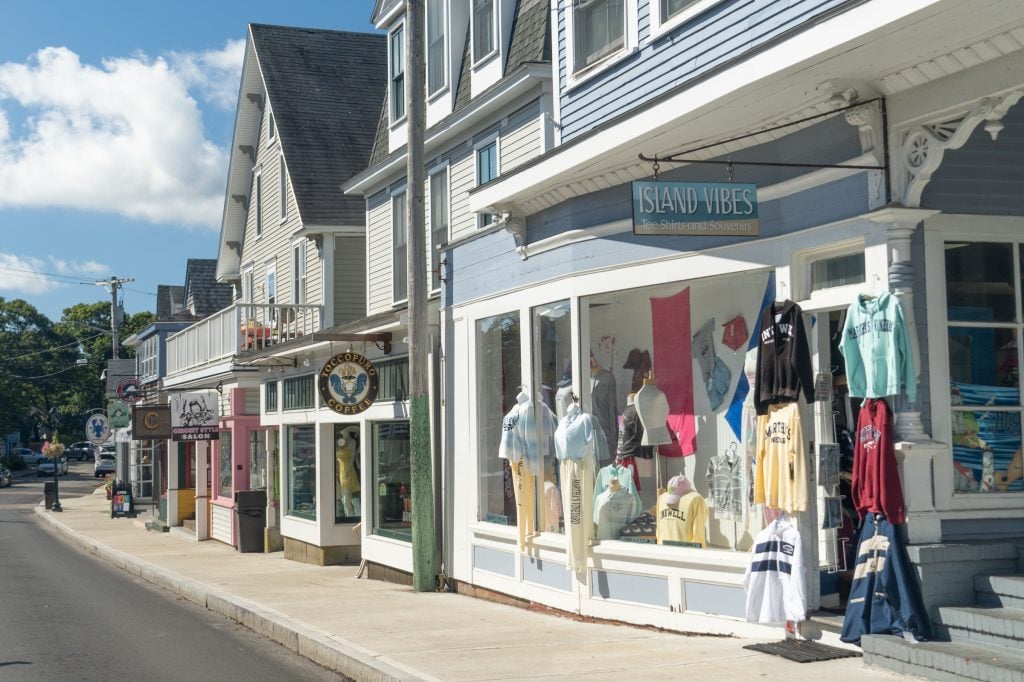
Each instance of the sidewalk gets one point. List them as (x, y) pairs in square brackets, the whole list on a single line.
[(372, 630)]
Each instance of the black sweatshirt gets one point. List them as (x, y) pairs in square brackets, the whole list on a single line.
[(783, 359)]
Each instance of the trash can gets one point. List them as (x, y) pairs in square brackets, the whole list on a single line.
[(49, 493), (250, 519)]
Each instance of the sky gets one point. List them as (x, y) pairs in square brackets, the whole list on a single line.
[(115, 122)]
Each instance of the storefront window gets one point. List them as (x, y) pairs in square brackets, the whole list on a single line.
[(258, 460), (224, 465), (347, 498), (499, 380), (552, 373), (392, 515), (984, 358), (694, 336), (302, 471)]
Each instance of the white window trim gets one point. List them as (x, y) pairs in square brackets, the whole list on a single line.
[(439, 168), (939, 229), (282, 188), (800, 274), (257, 200), (297, 245), (431, 96), (632, 37), (248, 270), (494, 138), (271, 126), (495, 33), (270, 266), (394, 122), (660, 27), (405, 299)]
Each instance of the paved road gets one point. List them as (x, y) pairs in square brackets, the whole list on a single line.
[(66, 616)]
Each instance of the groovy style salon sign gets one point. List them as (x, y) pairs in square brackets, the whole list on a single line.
[(699, 209)]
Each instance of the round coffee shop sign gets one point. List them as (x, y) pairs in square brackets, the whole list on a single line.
[(348, 383)]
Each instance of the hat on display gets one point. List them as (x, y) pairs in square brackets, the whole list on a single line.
[(677, 487)]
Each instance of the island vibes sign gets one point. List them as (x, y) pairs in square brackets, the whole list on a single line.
[(698, 209)]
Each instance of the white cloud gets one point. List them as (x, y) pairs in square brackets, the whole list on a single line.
[(33, 275), (125, 137)]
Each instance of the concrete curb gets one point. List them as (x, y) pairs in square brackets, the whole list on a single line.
[(327, 650)]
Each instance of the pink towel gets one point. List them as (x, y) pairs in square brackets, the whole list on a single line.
[(673, 369)]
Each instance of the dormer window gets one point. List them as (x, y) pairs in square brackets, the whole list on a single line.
[(483, 29), (397, 91), (437, 74), (598, 30)]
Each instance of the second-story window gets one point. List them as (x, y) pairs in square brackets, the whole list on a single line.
[(257, 197), (271, 127), (438, 223), (400, 249), (282, 188), (486, 170), (598, 30), (436, 73), (483, 28), (272, 282), (398, 74), (299, 270)]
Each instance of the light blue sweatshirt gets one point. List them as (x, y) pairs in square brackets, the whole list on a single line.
[(876, 346)]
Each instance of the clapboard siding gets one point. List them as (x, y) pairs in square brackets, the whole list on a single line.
[(378, 254), (729, 31), (521, 140), (220, 524), (349, 278), (463, 179)]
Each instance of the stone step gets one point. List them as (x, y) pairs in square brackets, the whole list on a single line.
[(993, 625), (943, 661), (1000, 590)]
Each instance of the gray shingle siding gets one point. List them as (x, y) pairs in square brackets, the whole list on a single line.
[(203, 295), (531, 39), (325, 89)]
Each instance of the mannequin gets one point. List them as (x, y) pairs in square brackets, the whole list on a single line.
[(348, 480), (613, 509), (652, 408), (578, 442), (602, 403), (563, 396)]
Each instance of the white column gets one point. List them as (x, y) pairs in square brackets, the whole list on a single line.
[(172, 474)]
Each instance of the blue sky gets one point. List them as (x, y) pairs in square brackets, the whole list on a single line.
[(115, 119)]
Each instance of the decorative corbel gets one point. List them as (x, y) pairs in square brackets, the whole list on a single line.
[(867, 118), (249, 150), (242, 199), (515, 226), (234, 246), (255, 98)]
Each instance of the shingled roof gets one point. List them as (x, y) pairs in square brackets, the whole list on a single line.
[(325, 89), (203, 295), (170, 299)]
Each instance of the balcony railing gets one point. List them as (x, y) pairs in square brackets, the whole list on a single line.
[(239, 329)]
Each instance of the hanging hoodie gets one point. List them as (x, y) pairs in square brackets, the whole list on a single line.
[(876, 480), (877, 349), (885, 598), (783, 357)]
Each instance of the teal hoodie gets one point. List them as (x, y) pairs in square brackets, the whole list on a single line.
[(877, 350)]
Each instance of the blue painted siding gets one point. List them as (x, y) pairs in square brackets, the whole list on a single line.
[(473, 264), (640, 589), (730, 31), (546, 573), (721, 600)]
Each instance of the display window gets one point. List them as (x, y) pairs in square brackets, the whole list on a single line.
[(347, 491), (301, 466), (551, 330), (499, 380), (985, 323), (392, 514), (224, 464), (257, 459)]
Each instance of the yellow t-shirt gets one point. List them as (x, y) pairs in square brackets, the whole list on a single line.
[(682, 522), (780, 480)]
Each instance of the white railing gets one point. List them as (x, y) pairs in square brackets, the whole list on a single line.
[(239, 329)]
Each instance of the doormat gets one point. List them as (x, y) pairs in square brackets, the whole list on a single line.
[(802, 651)]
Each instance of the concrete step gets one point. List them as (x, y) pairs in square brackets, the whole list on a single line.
[(1000, 590), (190, 524), (943, 661), (992, 625), (184, 533)]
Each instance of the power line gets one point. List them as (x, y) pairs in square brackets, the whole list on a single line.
[(82, 280), (76, 342), (46, 376)]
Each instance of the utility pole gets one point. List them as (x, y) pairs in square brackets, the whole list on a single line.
[(112, 285), (424, 557)]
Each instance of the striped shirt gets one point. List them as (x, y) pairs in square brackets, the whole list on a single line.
[(774, 582), (725, 484)]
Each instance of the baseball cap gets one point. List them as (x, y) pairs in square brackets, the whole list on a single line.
[(677, 487)]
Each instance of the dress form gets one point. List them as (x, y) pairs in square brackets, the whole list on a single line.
[(652, 408)]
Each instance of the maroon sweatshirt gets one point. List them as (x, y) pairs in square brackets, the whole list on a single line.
[(876, 479)]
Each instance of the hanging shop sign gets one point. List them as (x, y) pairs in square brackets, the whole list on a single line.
[(97, 428), (348, 383), (118, 413), (152, 422), (195, 416), (129, 390), (699, 209)]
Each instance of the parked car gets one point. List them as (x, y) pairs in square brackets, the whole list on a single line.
[(6, 479), (29, 457), (106, 463), (45, 467), (81, 451)]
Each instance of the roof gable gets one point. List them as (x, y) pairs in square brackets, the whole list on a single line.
[(203, 295)]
